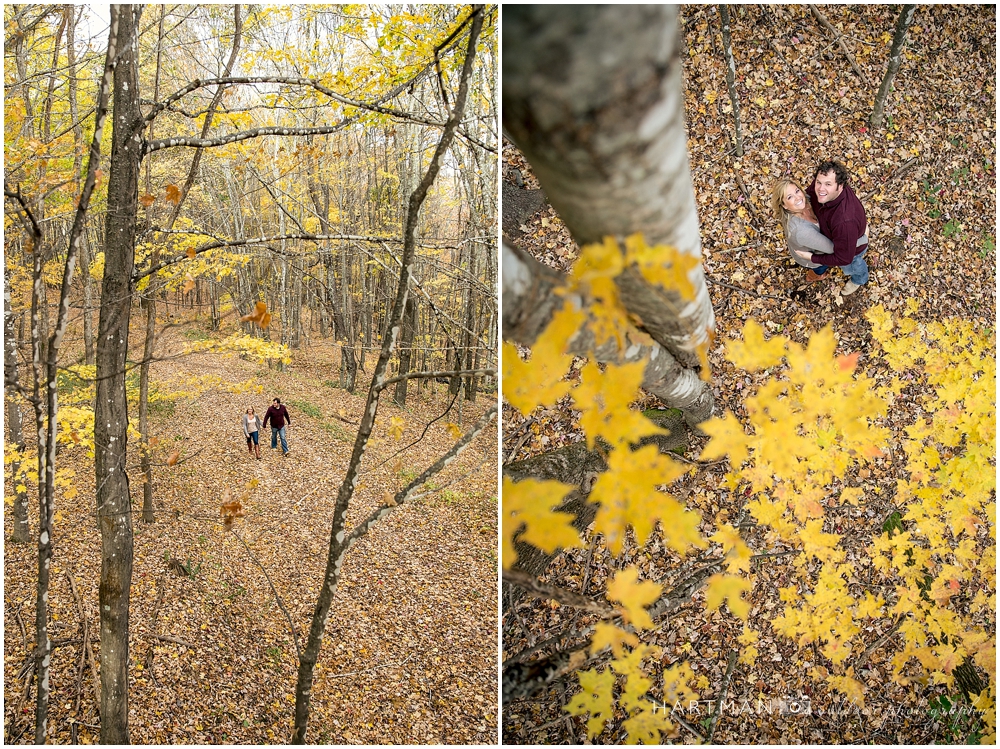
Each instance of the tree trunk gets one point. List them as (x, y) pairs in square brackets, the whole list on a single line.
[(114, 505), (88, 293), (406, 349), (895, 56), (21, 532), (727, 49), (145, 466), (339, 541), (608, 145)]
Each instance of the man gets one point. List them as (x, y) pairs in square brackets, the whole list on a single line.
[(277, 414), (843, 220)]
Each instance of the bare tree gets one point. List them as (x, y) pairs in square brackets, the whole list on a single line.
[(895, 57), (727, 50)]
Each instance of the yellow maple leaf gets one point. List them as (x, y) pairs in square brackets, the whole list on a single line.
[(529, 504), (596, 697), (850, 687), (728, 588), (627, 495), (454, 430), (738, 554), (527, 385), (728, 438), (663, 265), (869, 606), (396, 427), (603, 399), (607, 635), (634, 596), (648, 724)]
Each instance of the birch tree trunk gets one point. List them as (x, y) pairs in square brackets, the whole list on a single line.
[(727, 50), (88, 283), (21, 533), (895, 57), (114, 505), (602, 124)]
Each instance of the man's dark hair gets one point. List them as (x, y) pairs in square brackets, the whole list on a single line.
[(838, 169), (278, 401)]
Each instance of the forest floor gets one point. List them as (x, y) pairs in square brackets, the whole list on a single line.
[(409, 654), (927, 179)]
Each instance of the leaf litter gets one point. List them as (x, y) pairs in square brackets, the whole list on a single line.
[(409, 654)]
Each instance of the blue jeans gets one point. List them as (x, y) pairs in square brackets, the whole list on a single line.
[(275, 433), (857, 271)]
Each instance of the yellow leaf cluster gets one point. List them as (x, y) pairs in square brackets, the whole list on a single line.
[(529, 505), (537, 382)]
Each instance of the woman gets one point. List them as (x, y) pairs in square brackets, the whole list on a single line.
[(251, 430), (801, 227)]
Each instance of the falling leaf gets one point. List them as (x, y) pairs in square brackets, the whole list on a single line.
[(454, 430), (396, 427), (173, 194), (147, 200), (174, 457)]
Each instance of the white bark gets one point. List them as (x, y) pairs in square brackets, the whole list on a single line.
[(592, 96)]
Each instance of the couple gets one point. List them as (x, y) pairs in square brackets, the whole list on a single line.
[(827, 228), (277, 414)]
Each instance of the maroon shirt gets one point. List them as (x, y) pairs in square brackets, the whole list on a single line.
[(278, 416), (843, 221)]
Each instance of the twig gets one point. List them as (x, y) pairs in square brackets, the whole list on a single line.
[(88, 651), (751, 293), (905, 166), (277, 598), (863, 658), (150, 654), (538, 589), (176, 640), (748, 201), (722, 696), (838, 37), (689, 727)]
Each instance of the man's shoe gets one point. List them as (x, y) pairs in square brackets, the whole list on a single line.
[(850, 287), (813, 277)]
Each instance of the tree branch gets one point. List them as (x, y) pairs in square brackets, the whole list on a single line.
[(538, 589)]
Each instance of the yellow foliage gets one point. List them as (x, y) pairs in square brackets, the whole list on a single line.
[(627, 495), (536, 382), (634, 596), (529, 504)]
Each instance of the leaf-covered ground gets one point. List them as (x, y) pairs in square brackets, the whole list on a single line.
[(927, 179), (410, 649)]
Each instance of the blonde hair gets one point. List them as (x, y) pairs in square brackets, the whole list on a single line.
[(778, 201)]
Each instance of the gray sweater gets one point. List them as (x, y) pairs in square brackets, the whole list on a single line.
[(805, 236), (249, 427)]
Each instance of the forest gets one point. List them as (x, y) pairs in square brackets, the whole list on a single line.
[(207, 209), (740, 506)]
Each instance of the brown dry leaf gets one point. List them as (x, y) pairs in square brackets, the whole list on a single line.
[(173, 458), (173, 194), (147, 200)]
